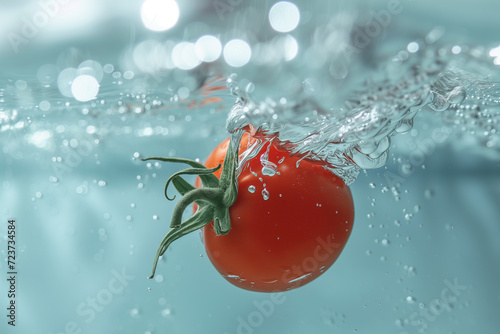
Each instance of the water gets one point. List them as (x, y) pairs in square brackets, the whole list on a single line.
[(400, 101)]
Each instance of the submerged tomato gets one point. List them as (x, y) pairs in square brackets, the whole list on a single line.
[(286, 229)]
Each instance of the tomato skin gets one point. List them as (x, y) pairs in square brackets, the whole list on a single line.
[(288, 239)]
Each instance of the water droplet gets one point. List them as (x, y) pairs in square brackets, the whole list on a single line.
[(101, 183), (38, 194), (155, 217), (410, 300), (372, 185), (265, 194), (132, 205), (251, 189), (385, 242)]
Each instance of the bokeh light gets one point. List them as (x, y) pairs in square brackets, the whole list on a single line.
[(184, 56), (284, 16), (159, 15), (85, 88), (237, 53), (208, 48), (495, 53), (291, 47)]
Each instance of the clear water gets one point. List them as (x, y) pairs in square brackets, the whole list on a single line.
[(398, 98)]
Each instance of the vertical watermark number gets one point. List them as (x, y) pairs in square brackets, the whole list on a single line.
[(11, 272)]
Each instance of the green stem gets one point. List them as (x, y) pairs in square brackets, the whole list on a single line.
[(211, 195), (189, 171), (215, 197), (208, 180), (197, 221)]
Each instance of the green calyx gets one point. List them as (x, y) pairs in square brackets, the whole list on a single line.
[(214, 198)]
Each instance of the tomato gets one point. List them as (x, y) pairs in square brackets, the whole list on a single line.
[(287, 228)]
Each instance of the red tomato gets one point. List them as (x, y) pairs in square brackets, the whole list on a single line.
[(286, 229)]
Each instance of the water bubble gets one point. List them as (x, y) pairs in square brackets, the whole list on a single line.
[(385, 242), (135, 312), (251, 189), (429, 193), (439, 103), (132, 205), (372, 185), (159, 278), (410, 300), (167, 312), (155, 217), (410, 270), (101, 183), (265, 194)]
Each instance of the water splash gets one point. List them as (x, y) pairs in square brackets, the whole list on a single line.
[(358, 134)]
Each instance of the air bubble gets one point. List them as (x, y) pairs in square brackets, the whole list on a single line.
[(166, 312), (410, 300), (135, 312), (265, 194), (429, 193), (251, 189)]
